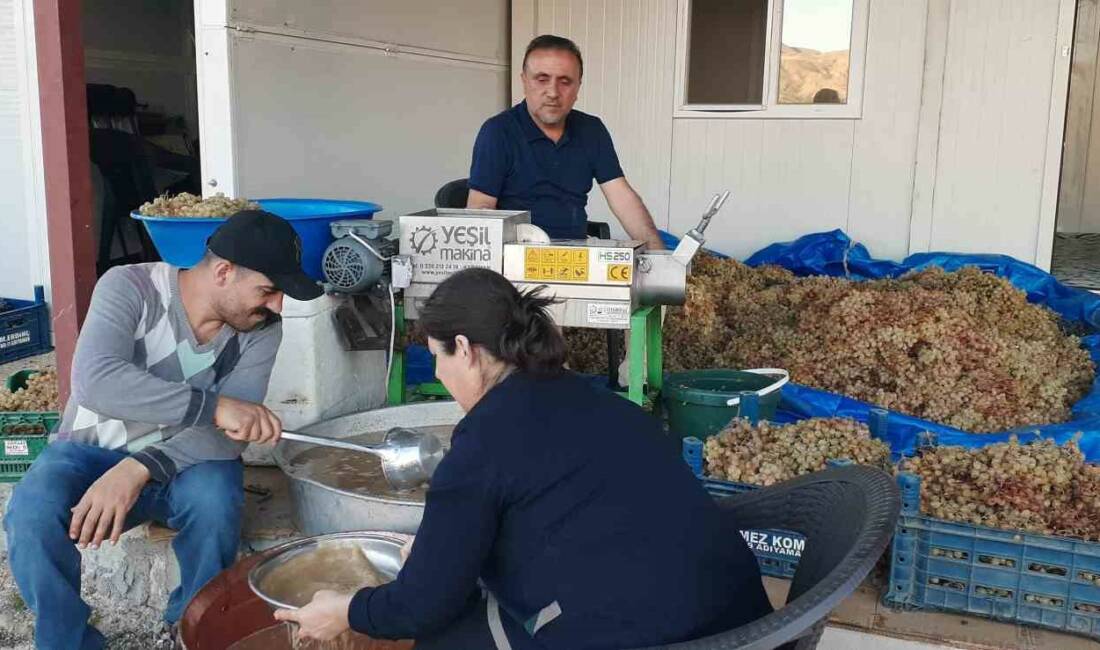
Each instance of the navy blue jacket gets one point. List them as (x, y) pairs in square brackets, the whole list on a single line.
[(558, 491), (515, 162)]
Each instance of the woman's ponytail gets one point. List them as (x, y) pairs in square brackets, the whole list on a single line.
[(531, 341)]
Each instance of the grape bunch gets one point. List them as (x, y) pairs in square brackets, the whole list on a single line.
[(1039, 487), (25, 429), (770, 453), (40, 394), (963, 348), (190, 205)]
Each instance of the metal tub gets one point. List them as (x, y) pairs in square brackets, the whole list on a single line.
[(383, 550), (226, 611), (320, 509)]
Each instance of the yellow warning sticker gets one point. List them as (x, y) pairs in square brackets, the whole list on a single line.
[(531, 261), (555, 264), (618, 272)]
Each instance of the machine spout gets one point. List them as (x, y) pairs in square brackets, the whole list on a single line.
[(694, 239), (715, 206), (662, 275)]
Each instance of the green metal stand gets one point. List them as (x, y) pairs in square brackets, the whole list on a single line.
[(646, 362), (432, 389), (397, 389), (646, 355)]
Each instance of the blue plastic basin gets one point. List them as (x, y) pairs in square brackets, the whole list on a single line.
[(181, 241)]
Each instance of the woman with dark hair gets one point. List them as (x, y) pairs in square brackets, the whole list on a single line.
[(562, 501)]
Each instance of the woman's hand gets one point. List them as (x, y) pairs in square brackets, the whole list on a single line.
[(324, 618)]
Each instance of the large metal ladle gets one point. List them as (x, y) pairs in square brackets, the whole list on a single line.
[(409, 457)]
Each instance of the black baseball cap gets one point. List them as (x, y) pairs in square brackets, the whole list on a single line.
[(265, 243)]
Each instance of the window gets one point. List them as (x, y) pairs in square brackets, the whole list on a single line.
[(770, 58)]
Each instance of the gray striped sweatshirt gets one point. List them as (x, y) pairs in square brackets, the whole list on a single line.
[(142, 383)]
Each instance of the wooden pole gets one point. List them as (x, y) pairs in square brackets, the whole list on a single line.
[(60, 51)]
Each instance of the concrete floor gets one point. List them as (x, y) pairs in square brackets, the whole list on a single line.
[(863, 622), (1076, 260), (836, 638)]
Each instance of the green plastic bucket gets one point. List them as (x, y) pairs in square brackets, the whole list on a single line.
[(697, 401), (19, 379)]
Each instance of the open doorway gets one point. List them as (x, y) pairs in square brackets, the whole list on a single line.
[(141, 86), (1076, 258)]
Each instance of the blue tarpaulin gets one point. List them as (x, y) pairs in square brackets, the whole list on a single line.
[(834, 253)]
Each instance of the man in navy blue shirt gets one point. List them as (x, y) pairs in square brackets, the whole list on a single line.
[(541, 155)]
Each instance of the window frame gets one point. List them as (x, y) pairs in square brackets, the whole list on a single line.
[(770, 108)]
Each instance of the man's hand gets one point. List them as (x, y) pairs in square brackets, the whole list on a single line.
[(324, 618), (247, 422), (103, 508)]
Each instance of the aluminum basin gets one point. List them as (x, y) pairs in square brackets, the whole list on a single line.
[(382, 550), (320, 508), (226, 613)]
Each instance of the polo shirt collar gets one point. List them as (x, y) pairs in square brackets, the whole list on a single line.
[(532, 131)]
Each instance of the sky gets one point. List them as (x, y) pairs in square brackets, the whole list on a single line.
[(824, 25)]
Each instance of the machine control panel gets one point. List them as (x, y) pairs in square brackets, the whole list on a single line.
[(609, 263)]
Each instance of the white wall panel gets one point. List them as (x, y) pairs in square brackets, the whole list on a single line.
[(24, 257), (328, 120), (471, 27), (338, 99), (629, 48), (998, 84)]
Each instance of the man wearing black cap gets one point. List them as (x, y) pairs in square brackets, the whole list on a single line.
[(168, 380)]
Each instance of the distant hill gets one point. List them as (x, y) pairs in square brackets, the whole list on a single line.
[(803, 72)]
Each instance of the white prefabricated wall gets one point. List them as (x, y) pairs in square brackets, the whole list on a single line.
[(23, 243), (341, 99), (957, 147), (1002, 115)]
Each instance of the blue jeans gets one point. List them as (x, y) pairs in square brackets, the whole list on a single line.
[(203, 503)]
